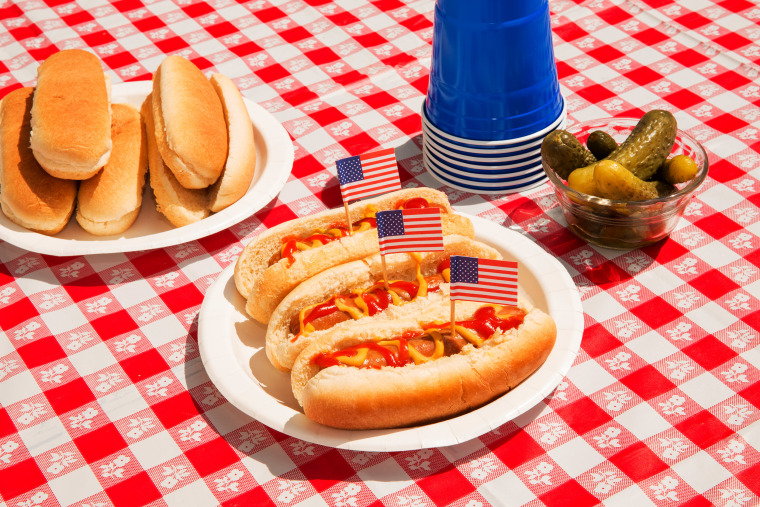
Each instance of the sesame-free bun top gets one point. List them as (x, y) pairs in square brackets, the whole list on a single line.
[(190, 129), (71, 115)]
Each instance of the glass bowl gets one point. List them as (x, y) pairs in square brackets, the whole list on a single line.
[(626, 224)]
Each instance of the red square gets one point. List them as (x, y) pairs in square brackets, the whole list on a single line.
[(697, 501), (100, 443), (643, 76), (198, 9), (752, 394), (607, 274), (219, 241), (175, 410), (144, 365), (656, 312), (595, 93), (665, 251), (212, 456), (583, 415), (6, 424), (732, 41), (86, 288), (257, 497), (182, 298), (730, 80), (152, 263), (709, 352), (148, 24), (379, 99), (614, 15), (689, 57), (647, 382), (638, 462), (751, 478), (370, 39), (446, 486), (221, 29), (41, 352), (113, 324), (171, 44), (726, 123), (597, 341), (605, 54), (322, 56), (20, 478), (561, 242), (245, 49), (569, 32), (684, 99), (327, 116), (327, 470), (134, 492), (276, 215), (275, 71), (16, 313), (269, 14), (714, 284), (295, 34), (717, 225), (569, 494), (69, 396), (650, 36), (521, 209), (724, 171), (704, 429), (517, 449)]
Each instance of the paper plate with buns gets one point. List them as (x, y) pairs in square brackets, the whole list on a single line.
[(186, 213)]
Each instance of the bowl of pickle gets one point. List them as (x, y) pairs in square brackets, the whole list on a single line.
[(624, 183)]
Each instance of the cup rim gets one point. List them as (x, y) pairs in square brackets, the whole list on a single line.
[(535, 144), (502, 142), (438, 168), (689, 188), (487, 190), (442, 160)]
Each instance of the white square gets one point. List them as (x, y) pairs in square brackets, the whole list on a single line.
[(628, 497), (603, 307), (385, 478), (43, 280), (75, 486), (639, 95), (720, 197), (728, 101), (192, 494), (226, 418), (191, 373), (537, 411), (268, 464), (754, 289), (508, 484), (652, 347), (724, 146), (92, 359), (198, 267), (65, 319), (590, 377), (185, 25), (716, 254), (659, 280), (576, 456), (123, 403), (646, 55), (44, 436), (610, 34), (163, 331), (701, 471), (643, 421), (312, 501), (18, 387), (753, 358), (134, 292), (294, 191), (685, 78), (712, 317), (154, 450), (6, 347), (706, 390)]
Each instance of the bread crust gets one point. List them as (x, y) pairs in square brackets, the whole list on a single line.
[(191, 133), (109, 202), (71, 117), (240, 166), (352, 398), (282, 347), (181, 206), (265, 286), (29, 195)]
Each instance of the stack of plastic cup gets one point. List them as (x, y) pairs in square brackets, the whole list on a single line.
[(493, 95)]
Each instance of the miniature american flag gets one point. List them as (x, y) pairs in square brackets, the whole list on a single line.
[(369, 174), (409, 230), (484, 280)]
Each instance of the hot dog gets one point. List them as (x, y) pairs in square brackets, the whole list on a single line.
[(356, 291), (398, 373), (279, 259)]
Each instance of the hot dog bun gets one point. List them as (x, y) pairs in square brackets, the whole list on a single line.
[(283, 346), (265, 285), (29, 195), (71, 117), (109, 202), (241, 152), (190, 130), (180, 205), (353, 398)]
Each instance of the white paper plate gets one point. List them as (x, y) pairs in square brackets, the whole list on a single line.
[(232, 350), (274, 162)]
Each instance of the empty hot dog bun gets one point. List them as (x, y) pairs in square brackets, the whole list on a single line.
[(266, 272), (29, 195), (109, 202), (190, 129), (239, 168), (351, 397), (356, 292), (181, 206), (71, 116)]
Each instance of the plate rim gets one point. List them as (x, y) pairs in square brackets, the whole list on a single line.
[(440, 434), (271, 179)]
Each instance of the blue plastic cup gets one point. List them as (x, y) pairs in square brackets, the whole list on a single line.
[(493, 74)]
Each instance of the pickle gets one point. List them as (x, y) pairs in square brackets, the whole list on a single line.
[(678, 169), (582, 180), (614, 181), (664, 188), (648, 145), (562, 151), (601, 144)]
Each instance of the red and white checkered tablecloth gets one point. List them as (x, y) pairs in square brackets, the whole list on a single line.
[(104, 399)]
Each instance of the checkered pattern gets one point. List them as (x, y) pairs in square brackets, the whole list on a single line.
[(104, 400)]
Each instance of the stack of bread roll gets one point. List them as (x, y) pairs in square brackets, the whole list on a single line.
[(65, 146)]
